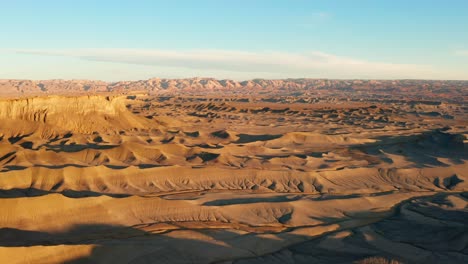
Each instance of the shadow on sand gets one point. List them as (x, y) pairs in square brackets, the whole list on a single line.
[(421, 230)]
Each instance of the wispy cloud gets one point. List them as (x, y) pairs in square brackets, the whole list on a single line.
[(309, 64), (461, 53), (321, 16), (314, 19)]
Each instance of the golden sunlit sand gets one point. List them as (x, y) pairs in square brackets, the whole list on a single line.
[(138, 178)]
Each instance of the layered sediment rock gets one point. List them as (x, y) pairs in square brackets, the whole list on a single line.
[(401, 89), (84, 114)]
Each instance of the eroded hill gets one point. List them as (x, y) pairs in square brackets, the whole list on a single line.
[(440, 91), (232, 179)]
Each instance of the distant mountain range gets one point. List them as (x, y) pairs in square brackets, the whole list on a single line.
[(409, 89)]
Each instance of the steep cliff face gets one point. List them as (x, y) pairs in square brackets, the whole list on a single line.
[(37, 109), (83, 114)]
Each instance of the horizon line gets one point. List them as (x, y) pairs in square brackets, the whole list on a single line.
[(239, 81)]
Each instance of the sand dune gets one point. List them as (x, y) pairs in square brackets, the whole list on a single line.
[(211, 179)]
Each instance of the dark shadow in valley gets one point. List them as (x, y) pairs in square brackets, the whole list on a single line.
[(423, 150), (33, 192), (246, 138), (120, 244), (78, 147), (423, 239), (13, 168), (249, 200)]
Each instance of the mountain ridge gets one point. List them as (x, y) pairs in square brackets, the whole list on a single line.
[(421, 89)]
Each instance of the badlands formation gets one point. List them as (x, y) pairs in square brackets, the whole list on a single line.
[(208, 171)]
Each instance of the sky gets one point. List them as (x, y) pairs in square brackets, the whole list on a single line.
[(225, 39)]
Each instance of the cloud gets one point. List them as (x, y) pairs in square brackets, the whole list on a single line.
[(314, 20), (321, 16), (461, 53), (272, 63)]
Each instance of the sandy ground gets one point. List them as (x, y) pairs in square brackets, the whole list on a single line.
[(190, 179)]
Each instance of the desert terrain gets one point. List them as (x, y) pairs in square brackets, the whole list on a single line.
[(218, 171)]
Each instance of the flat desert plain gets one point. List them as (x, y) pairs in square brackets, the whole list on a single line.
[(161, 176)]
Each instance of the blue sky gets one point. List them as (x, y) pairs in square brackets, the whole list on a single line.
[(129, 40)]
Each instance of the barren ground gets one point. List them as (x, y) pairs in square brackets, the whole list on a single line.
[(232, 179)]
